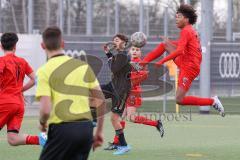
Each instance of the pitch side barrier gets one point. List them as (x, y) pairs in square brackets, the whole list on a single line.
[(225, 66), (225, 63)]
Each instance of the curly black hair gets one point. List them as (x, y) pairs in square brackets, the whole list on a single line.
[(9, 41), (189, 12)]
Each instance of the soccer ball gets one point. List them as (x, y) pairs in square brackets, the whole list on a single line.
[(138, 39)]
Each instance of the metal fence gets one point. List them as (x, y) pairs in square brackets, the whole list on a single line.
[(102, 17)]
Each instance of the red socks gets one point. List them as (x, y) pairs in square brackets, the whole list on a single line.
[(116, 140), (140, 120), (32, 140), (197, 101), (145, 121), (123, 124)]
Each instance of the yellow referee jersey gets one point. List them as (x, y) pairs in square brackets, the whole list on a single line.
[(67, 81)]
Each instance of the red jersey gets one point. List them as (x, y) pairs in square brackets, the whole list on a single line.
[(188, 51), (12, 72), (134, 98), (189, 48), (135, 75)]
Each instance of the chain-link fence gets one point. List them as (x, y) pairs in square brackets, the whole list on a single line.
[(105, 17)]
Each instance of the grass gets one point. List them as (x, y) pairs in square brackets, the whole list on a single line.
[(197, 137), (231, 104)]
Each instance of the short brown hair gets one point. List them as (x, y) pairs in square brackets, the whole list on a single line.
[(189, 12), (52, 38), (123, 37)]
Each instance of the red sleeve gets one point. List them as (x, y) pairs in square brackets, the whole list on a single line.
[(138, 78), (2, 65), (175, 42), (155, 53), (182, 42), (28, 69)]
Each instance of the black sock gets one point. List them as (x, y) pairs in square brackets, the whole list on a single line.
[(122, 140)]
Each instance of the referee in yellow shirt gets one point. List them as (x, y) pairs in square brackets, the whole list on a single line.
[(64, 86)]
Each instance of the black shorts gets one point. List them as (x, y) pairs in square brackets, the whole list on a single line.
[(68, 141), (118, 99)]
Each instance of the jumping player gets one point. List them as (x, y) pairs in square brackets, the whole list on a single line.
[(187, 55), (12, 72), (134, 100)]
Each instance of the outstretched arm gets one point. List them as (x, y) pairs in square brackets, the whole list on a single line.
[(154, 54), (181, 44), (166, 45), (171, 56)]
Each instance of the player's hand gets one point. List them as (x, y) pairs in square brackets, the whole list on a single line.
[(165, 39), (43, 127), (105, 48), (109, 46), (97, 140), (169, 46)]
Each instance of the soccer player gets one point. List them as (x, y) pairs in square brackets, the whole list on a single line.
[(134, 100), (63, 88), (118, 89), (187, 55), (12, 72)]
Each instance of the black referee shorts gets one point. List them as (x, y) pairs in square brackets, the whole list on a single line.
[(68, 141)]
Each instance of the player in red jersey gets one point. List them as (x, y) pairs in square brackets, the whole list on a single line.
[(134, 100), (187, 55), (12, 72)]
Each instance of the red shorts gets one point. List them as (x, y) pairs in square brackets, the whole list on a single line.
[(12, 116), (134, 100), (187, 76)]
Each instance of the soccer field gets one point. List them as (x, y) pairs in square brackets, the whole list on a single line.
[(204, 137)]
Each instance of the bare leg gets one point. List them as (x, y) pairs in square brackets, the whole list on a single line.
[(15, 139)]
